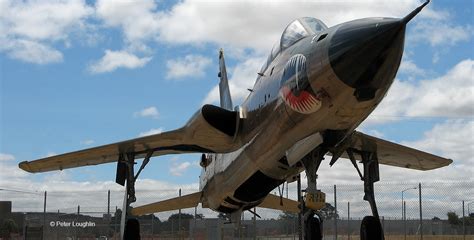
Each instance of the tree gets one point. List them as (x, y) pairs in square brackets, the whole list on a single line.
[(328, 212), (184, 216), (287, 216), (221, 216), (453, 218), (8, 227)]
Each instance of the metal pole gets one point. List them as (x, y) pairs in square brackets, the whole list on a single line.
[(44, 214), (77, 219), (116, 222), (463, 222), (403, 210), (179, 218), (195, 216), (300, 228), (335, 212), (421, 211), (348, 221), (254, 223), (405, 219), (108, 203), (152, 227)]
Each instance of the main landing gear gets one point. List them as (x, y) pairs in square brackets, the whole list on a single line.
[(371, 228), (129, 226)]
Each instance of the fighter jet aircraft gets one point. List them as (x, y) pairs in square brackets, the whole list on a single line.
[(316, 87)]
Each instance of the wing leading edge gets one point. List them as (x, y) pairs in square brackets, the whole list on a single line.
[(394, 154), (210, 130)]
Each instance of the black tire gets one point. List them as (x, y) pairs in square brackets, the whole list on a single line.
[(312, 227), (132, 229), (371, 229)]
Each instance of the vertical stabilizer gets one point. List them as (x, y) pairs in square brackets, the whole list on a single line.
[(226, 99)]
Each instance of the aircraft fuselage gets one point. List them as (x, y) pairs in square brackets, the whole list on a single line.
[(330, 80)]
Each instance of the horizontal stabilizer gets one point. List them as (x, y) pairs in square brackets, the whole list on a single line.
[(394, 154), (277, 203), (186, 201)]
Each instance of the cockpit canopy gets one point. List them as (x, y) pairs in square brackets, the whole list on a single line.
[(299, 29), (296, 30)]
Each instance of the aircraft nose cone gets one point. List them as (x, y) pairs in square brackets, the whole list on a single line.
[(365, 54)]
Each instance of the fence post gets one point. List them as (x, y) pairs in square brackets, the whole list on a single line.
[(108, 203), (254, 222), (421, 211), (405, 219), (335, 212), (348, 221), (298, 189), (152, 226), (463, 222), (179, 218), (44, 214)]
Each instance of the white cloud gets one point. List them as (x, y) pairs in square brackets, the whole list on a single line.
[(6, 157), (33, 52), (9, 169), (44, 20), (29, 29), (410, 68), (50, 154), (189, 66), (117, 59), (450, 95), (453, 139), (177, 169), (152, 131), (194, 22), (87, 142), (439, 33), (148, 112), (241, 77), (137, 19)]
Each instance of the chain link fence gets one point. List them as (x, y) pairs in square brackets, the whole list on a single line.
[(437, 210)]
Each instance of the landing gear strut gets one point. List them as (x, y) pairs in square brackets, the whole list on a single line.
[(315, 199), (129, 227), (371, 228)]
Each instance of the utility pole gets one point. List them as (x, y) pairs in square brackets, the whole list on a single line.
[(348, 220), (108, 203), (44, 213), (179, 218), (463, 223), (421, 212), (335, 212), (300, 201)]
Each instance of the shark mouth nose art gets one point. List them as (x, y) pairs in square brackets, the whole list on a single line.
[(295, 89)]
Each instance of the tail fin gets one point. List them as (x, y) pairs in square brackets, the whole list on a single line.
[(226, 99)]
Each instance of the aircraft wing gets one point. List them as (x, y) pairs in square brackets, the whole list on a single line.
[(394, 154), (211, 130), (186, 201), (283, 204)]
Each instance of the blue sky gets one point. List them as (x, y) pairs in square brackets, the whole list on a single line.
[(78, 74)]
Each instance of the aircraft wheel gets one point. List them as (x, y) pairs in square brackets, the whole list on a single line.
[(312, 226), (132, 229), (371, 229)]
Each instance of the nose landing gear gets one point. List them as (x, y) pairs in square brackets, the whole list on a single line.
[(314, 199)]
